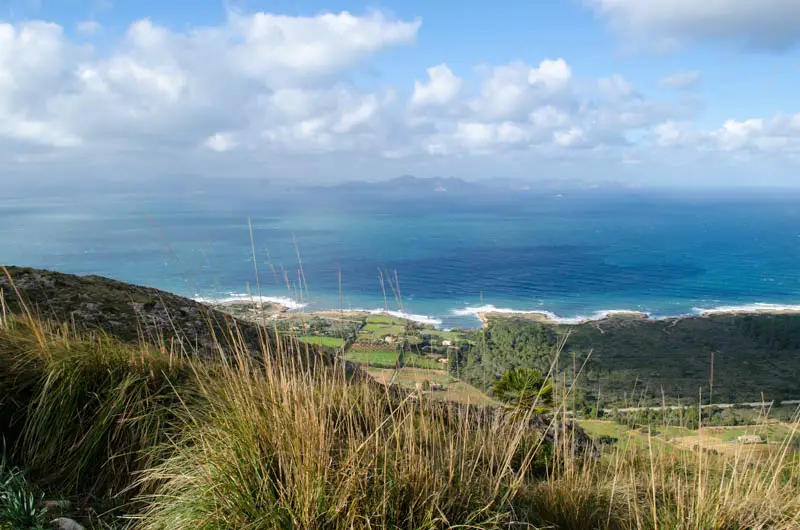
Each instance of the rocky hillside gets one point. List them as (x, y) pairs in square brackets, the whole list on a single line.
[(129, 312)]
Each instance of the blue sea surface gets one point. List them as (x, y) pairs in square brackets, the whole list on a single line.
[(575, 253)]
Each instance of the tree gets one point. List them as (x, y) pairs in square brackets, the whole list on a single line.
[(454, 362), (525, 388), (691, 418), (401, 357)]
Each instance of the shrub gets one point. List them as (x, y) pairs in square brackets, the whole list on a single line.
[(19, 505), (524, 388)]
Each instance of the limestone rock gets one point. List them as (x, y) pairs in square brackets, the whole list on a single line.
[(65, 523)]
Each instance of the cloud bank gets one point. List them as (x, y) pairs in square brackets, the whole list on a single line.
[(760, 24), (275, 96)]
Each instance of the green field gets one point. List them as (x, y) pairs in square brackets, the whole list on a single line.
[(627, 438), (775, 433), (332, 342), (383, 319), (373, 327), (388, 359), (378, 326), (442, 334), (598, 428), (385, 358), (416, 361), (719, 440)]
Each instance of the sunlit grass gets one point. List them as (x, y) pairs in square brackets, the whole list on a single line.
[(259, 440)]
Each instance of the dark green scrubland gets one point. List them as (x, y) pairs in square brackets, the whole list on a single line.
[(637, 361)]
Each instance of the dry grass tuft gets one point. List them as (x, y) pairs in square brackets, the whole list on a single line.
[(268, 443)]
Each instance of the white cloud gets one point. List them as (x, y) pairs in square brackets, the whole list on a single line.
[(312, 46), (442, 88), (88, 27), (777, 135), (268, 93), (549, 117), (761, 24), (673, 134), (616, 87), (734, 135), (220, 142), (480, 136), (160, 89), (574, 137), (552, 74), (510, 90), (682, 79), (37, 132)]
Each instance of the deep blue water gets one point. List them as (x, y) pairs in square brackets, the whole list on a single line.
[(575, 254)]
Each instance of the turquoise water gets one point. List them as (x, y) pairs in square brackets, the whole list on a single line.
[(573, 254)]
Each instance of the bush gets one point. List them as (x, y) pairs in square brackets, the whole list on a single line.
[(524, 388)]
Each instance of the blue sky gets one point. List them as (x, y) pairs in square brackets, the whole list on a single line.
[(645, 89)]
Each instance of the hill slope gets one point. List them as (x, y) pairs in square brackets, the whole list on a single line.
[(129, 312)]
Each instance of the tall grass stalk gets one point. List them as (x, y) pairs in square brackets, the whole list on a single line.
[(284, 448), (273, 439)]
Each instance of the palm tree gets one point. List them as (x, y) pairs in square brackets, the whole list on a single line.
[(524, 388)]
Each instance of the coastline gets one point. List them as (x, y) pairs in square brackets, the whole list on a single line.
[(605, 316), (549, 318), (255, 311), (250, 310), (273, 309)]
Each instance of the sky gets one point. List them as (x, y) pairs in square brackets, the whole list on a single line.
[(651, 93)]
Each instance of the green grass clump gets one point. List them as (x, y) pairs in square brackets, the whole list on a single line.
[(19, 504), (85, 407), (281, 449)]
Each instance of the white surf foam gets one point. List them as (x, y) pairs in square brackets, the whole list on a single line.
[(600, 315), (489, 308), (287, 302), (422, 319), (747, 308), (549, 315)]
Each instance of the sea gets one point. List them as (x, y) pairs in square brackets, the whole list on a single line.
[(431, 255)]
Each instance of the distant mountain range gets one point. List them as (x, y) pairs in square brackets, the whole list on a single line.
[(408, 183), (411, 185)]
